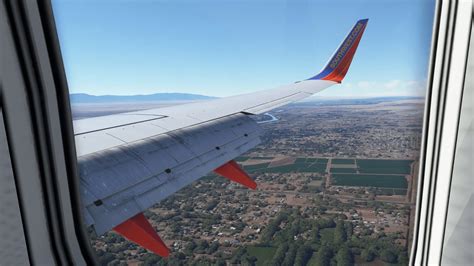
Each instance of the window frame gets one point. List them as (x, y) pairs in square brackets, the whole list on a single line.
[(447, 71), (44, 101)]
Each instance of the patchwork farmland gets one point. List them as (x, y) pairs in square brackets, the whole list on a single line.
[(390, 176), (298, 165), (387, 175)]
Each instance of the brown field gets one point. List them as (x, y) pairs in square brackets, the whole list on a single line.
[(367, 214), (282, 161)]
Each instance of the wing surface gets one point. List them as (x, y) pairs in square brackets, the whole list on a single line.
[(105, 132)]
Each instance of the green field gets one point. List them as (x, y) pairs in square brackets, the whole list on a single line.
[(297, 168), (256, 168), (262, 158), (301, 165), (241, 159), (323, 160), (392, 191), (343, 170), (284, 168), (245, 158), (343, 161), (263, 254), (370, 166), (311, 160), (365, 180), (372, 172), (316, 167), (301, 160)]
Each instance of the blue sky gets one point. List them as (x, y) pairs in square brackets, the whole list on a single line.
[(225, 47)]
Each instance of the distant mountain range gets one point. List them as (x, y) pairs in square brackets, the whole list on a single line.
[(356, 101), (87, 98)]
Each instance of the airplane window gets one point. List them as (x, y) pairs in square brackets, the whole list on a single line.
[(188, 156)]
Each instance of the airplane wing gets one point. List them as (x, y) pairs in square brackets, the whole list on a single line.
[(130, 161)]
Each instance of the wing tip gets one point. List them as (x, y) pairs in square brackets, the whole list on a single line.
[(338, 65)]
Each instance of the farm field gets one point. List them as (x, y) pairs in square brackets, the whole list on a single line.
[(342, 161), (255, 168), (387, 176), (344, 170), (300, 165), (262, 158), (393, 191), (370, 180), (339, 166), (370, 166), (241, 159)]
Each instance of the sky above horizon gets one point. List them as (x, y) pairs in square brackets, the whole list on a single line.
[(227, 47)]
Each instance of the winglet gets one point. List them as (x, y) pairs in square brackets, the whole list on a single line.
[(231, 170), (337, 67), (137, 229)]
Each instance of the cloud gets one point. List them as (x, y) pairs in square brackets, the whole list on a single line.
[(378, 88)]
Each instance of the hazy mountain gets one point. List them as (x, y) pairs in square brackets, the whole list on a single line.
[(355, 101), (87, 98)]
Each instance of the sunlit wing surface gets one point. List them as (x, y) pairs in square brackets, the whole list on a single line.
[(130, 161)]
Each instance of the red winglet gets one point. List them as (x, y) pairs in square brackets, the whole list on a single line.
[(137, 229), (337, 67), (232, 171)]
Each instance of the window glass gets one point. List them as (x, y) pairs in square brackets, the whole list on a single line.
[(336, 172), (458, 233)]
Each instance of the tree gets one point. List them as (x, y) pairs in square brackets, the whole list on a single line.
[(279, 255), (213, 247), (315, 234), (368, 254), (250, 260), (238, 256), (326, 223), (150, 259), (190, 247), (349, 230), (202, 246), (295, 229), (388, 256), (270, 230), (303, 255), (106, 258), (290, 255), (323, 256), (221, 262), (344, 256), (340, 235), (403, 258)]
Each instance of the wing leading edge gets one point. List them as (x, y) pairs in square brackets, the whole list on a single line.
[(130, 161)]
